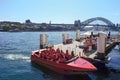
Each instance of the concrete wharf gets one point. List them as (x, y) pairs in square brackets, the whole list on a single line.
[(75, 46)]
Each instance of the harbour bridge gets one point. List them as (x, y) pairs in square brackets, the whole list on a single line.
[(97, 23), (93, 22)]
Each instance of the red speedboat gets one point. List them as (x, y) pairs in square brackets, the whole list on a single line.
[(61, 62)]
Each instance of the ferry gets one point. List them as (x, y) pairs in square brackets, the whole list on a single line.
[(60, 62)]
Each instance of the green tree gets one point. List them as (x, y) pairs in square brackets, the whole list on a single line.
[(6, 28)]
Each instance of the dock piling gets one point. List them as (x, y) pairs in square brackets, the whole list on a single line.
[(43, 40), (65, 36), (101, 45), (77, 35)]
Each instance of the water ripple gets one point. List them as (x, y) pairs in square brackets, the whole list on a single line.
[(15, 57)]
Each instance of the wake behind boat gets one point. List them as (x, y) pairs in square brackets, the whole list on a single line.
[(60, 62)]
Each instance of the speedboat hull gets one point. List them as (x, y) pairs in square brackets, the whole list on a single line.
[(75, 67)]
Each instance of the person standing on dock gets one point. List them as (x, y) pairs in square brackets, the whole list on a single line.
[(109, 35)]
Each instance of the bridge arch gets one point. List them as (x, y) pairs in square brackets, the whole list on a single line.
[(88, 21)]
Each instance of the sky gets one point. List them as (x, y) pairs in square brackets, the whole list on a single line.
[(59, 11)]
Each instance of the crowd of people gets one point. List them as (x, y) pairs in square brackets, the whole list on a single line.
[(55, 55)]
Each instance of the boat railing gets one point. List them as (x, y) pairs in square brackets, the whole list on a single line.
[(72, 59)]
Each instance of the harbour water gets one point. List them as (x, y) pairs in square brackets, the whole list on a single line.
[(15, 64)]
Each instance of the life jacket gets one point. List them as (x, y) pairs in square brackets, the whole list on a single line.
[(61, 58), (90, 41), (55, 56)]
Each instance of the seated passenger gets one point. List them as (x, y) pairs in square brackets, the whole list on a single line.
[(52, 50), (91, 42), (61, 58), (86, 48), (63, 54), (55, 57), (58, 50), (72, 54), (67, 55), (42, 54)]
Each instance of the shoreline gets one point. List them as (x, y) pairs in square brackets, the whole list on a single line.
[(59, 31)]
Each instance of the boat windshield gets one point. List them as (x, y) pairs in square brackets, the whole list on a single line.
[(72, 59)]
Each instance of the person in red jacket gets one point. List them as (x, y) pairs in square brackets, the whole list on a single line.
[(67, 55), (91, 42), (61, 58)]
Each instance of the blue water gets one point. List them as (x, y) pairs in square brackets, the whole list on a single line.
[(15, 51)]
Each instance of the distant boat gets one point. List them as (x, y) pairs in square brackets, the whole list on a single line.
[(61, 63)]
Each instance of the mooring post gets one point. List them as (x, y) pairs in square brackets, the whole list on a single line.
[(101, 45), (65, 36), (43, 40), (77, 35)]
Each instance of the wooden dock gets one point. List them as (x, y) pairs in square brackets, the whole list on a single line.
[(79, 51)]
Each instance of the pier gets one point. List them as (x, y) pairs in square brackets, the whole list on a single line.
[(79, 51), (98, 50), (78, 47)]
